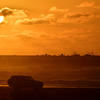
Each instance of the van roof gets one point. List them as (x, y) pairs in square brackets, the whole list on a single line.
[(19, 76)]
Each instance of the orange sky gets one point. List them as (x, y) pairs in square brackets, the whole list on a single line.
[(50, 26)]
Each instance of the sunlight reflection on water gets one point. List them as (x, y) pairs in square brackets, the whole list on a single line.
[(4, 85)]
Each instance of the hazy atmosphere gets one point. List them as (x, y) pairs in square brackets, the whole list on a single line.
[(48, 26)]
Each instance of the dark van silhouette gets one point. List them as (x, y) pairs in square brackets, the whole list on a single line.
[(17, 82)]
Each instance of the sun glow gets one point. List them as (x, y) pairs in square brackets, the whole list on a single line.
[(1, 16)]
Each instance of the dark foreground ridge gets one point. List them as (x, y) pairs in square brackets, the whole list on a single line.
[(7, 93)]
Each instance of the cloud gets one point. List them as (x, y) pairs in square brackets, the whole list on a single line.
[(4, 23), (55, 9), (17, 39), (98, 7), (26, 42), (50, 18), (54, 19), (76, 18), (30, 42), (7, 11), (30, 36), (13, 12), (86, 4), (11, 15), (97, 16), (26, 35), (78, 15), (32, 21), (74, 30), (1, 13)]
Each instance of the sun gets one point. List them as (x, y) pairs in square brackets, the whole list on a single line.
[(1, 16)]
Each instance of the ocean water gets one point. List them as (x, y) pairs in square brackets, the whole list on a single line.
[(55, 76), (74, 84)]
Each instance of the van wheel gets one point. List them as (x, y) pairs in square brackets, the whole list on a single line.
[(37, 88), (18, 86)]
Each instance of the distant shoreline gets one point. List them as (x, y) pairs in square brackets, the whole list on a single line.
[(48, 55)]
